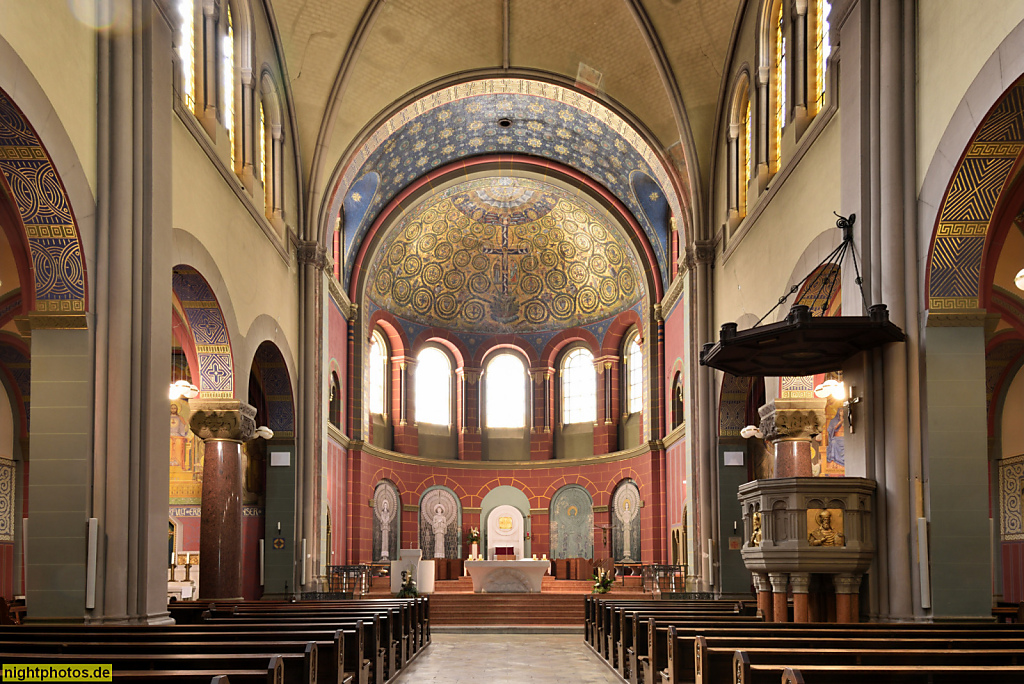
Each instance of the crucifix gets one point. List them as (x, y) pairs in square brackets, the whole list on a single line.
[(505, 251)]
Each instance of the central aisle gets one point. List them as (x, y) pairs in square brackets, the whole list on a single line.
[(507, 659)]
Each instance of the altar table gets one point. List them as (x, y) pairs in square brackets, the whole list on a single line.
[(507, 577)]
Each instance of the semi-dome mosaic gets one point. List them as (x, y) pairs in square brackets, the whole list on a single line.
[(501, 253)]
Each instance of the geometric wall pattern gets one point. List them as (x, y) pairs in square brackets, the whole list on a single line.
[(572, 523), (206, 323), (544, 120), (732, 406), (6, 500), (277, 392), (1011, 483), (502, 253), (28, 175), (954, 275)]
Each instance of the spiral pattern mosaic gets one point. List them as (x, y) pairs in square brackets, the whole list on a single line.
[(504, 253)]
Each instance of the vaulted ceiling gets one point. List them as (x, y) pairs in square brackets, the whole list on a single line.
[(352, 62)]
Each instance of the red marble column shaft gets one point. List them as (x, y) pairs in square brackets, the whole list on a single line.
[(793, 458), (220, 527)]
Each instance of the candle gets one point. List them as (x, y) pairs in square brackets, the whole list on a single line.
[(186, 559), (172, 558)]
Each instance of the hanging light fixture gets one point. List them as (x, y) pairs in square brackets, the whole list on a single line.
[(831, 388), (1018, 279), (183, 389), (264, 432)]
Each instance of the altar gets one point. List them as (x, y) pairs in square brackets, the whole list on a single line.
[(507, 576)]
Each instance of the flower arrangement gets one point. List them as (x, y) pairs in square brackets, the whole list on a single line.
[(603, 581), (408, 589), (473, 535)]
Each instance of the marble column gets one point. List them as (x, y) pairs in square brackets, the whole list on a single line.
[(847, 597), (764, 595), (789, 425), (779, 582), (801, 582), (222, 424)]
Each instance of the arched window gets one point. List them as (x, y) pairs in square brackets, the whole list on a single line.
[(334, 407), (677, 400), (505, 378), (271, 151), (779, 78), (433, 387), (822, 49), (378, 372), (227, 60), (263, 149), (634, 375), (579, 387), (740, 139), (745, 174), (187, 52)]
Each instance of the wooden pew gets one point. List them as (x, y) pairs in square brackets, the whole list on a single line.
[(330, 643), (716, 664), (745, 672), (679, 655), (373, 650), (241, 669)]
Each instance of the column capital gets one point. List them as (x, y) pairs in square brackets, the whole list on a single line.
[(779, 581), (846, 583), (800, 581), (792, 419), (311, 252), (761, 581), (222, 419)]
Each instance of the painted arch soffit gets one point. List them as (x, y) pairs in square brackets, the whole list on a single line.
[(32, 181), (543, 120), (504, 253)]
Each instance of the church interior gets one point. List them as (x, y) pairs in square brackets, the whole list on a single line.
[(580, 280)]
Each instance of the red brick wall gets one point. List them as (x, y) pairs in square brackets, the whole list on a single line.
[(1013, 571), (334, 494), (539, 484)]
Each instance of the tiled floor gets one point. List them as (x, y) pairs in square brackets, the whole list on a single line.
[(507, 659)]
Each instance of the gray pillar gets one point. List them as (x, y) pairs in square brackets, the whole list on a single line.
[(59, 477), (705, 452), (312, 260), (961, 567), (133, 308)]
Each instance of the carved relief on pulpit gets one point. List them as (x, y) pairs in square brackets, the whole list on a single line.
[(440, 524), (386, 514), (626, 523)]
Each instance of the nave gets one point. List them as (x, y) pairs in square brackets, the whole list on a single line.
[(507, 659)]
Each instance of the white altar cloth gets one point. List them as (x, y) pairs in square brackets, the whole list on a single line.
[(507, 577)]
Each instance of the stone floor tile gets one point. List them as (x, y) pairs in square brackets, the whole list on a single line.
[(507, 659)]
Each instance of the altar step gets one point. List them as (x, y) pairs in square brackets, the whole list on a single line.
[(450, 609), (381, 586)]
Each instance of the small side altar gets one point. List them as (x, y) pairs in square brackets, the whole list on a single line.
[(508, 576)]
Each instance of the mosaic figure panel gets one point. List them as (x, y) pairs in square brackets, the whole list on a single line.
[(500, 253), (186, 457), (387, 509), (547, 121), (572, 523), (626, 523), (440, 524), (1011, 489)]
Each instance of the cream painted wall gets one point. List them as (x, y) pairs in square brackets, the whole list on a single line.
[(1012, 427), (757, 273), (954, 40), (257, 279), (60, 51)]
